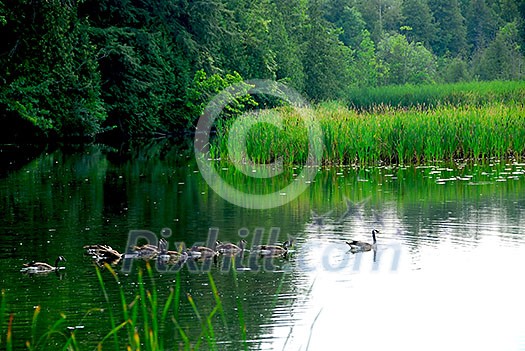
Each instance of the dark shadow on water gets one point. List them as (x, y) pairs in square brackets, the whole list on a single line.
[(15, 156)]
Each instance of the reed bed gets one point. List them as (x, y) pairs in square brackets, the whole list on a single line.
[(140, 323), (387, 135), (428, 96)]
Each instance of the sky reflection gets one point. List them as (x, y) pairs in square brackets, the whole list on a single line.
[(460, 288)]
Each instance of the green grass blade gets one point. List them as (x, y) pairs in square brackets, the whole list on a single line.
[(110, 310), (217, 298), (113, 333), (240, 310), (9, 337), (3, 308)]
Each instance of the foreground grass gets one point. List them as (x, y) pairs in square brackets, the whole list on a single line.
[(384, 134), (139, 323)]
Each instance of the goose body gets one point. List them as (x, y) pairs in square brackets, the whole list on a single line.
[(95, 249), (229, 248), (356, 246), (274, 250), (42, 267), (169, 256), (149, 251), (172, 257), (201, 252), (103, 253)]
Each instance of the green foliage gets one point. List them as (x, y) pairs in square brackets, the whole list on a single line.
[(138, 71), (348, 18), (286, 42), (364, 68), (451, 31), (205, 88), (381, 16), (502, 58), (454, 70), (417, 15), (326, 72), (52, 81), (405, 62), (481, 24), (78, 69), (254, 20), (3, 20)]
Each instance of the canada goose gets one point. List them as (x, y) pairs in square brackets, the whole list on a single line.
[(172, 257), (42, 267), (201, 252), (274, 250), (229, 248), (356, 246), (149, 251), (103, 254), (168, 256)]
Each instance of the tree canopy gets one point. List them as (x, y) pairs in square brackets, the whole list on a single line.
[(137, 68)]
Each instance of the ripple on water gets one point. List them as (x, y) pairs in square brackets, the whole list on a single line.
[(446, 275)]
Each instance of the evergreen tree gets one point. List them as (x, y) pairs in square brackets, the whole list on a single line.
[(451, 30), (363, 68), (50, 75), (251, 53), (286, 36), (481, 24), (454, 70), (327, 59), (344, 15), (520, 24), (211, 33), (381, 16), (417, 15), (506, 10), (502, 59), (144, 72)]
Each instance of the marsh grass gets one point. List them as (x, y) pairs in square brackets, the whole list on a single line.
[(389, 135), (429, 96), (143, 319)]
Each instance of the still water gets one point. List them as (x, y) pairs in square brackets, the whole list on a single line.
[(447, 273)]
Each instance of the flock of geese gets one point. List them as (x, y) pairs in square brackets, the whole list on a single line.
[(102, 254)]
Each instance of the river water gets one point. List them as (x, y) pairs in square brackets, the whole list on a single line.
[(447, 273)]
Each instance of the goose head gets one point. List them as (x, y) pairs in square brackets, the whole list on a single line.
[(287, 244), (59, 259), (242, 244), (374, 232)]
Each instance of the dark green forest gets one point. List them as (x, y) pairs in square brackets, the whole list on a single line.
[(84, 68)]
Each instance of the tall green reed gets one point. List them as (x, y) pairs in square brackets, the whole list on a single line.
[(39, 342), (391, 135), (144, 318), (433, 95)]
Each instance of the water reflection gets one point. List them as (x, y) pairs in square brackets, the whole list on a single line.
[(446, 273)]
